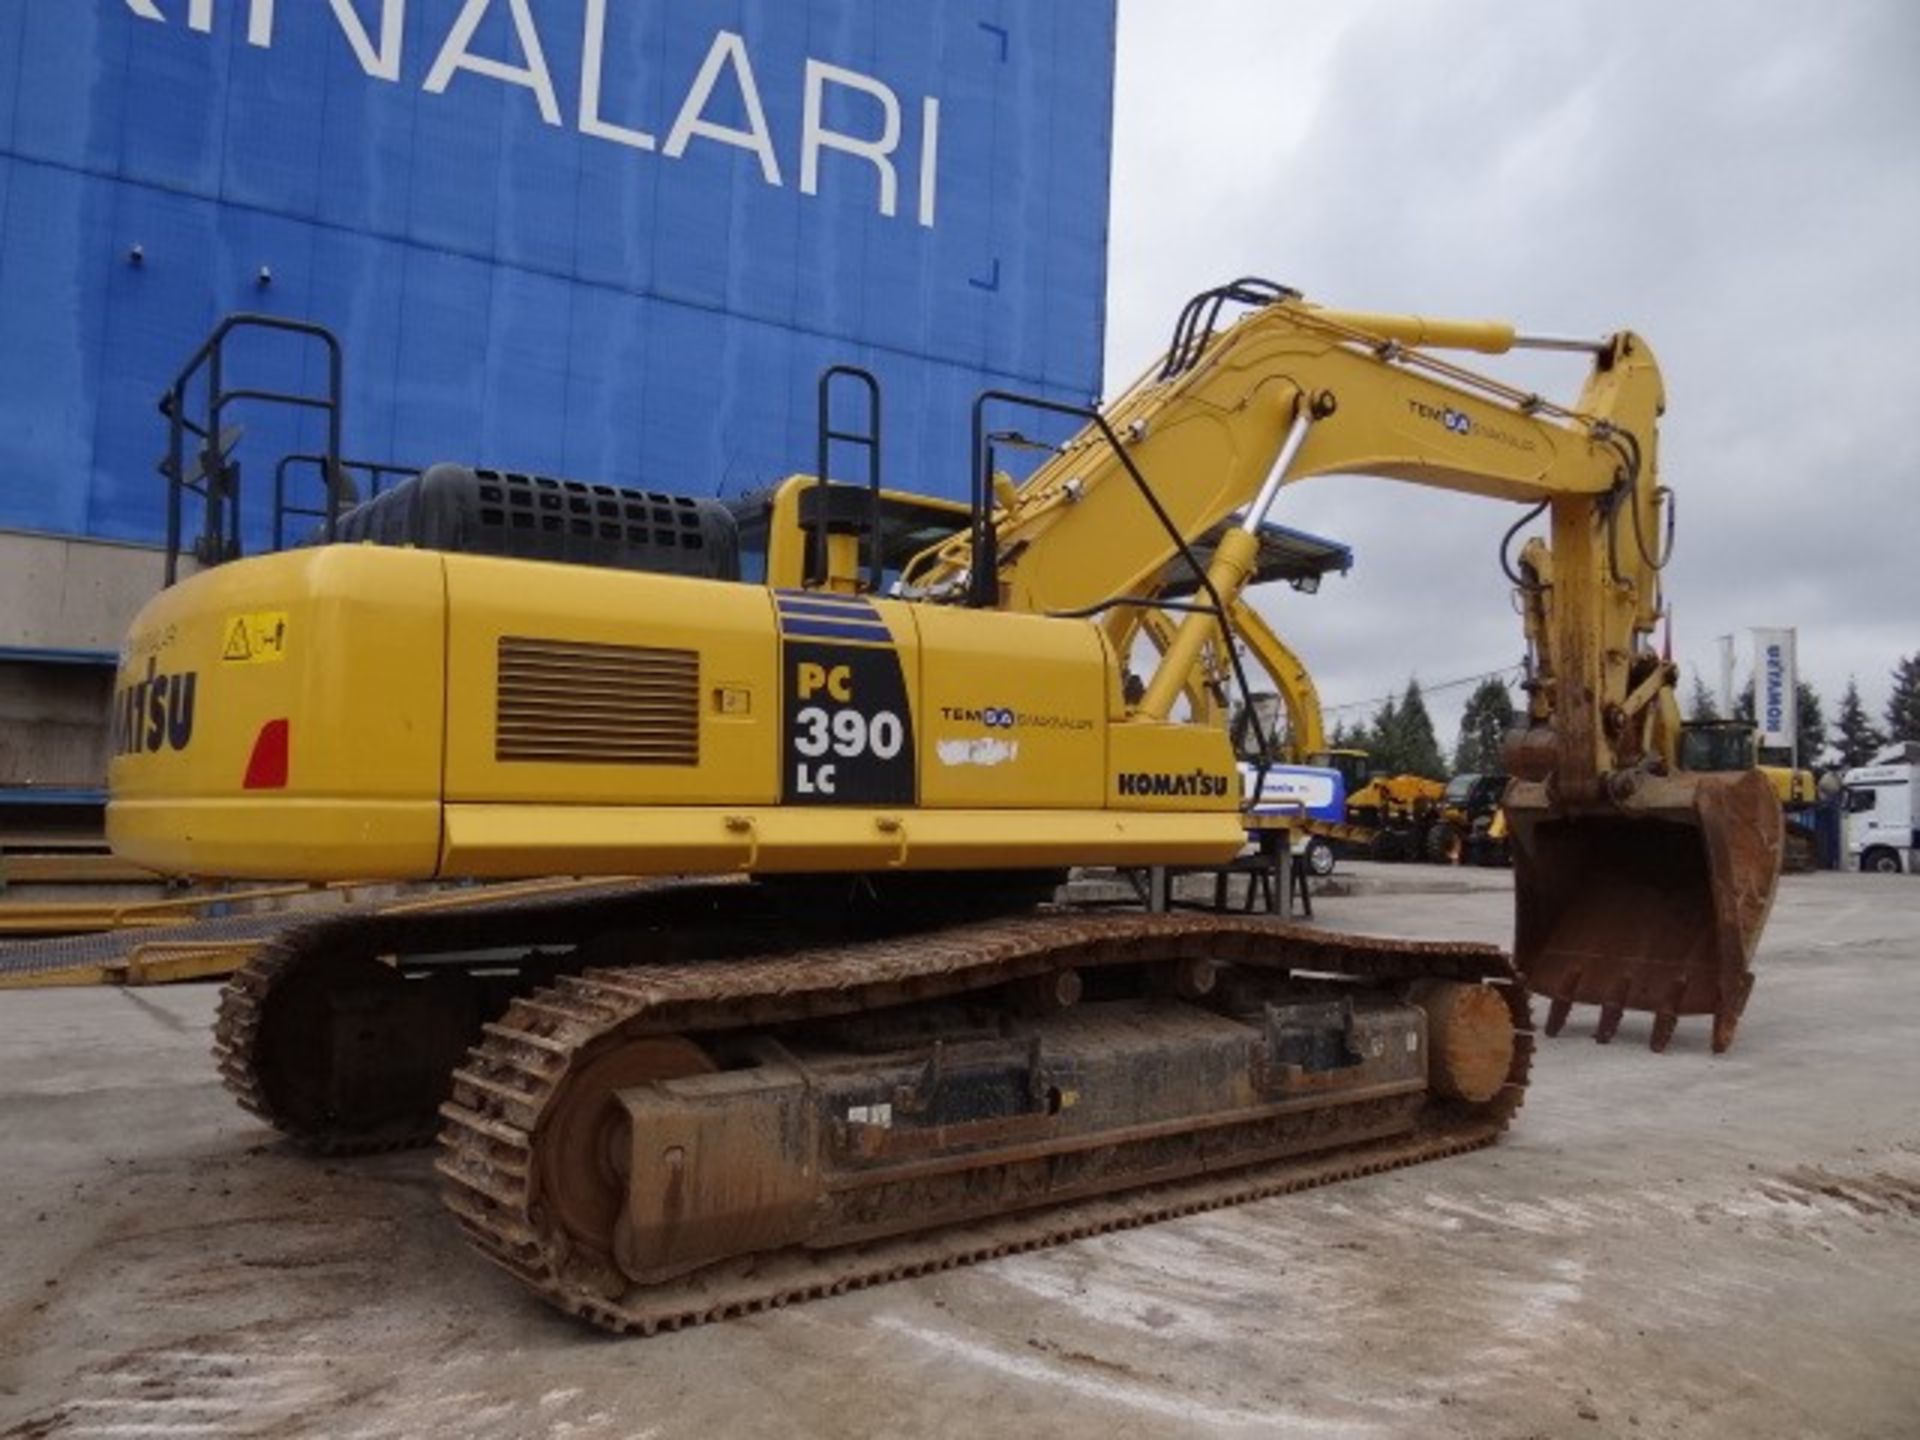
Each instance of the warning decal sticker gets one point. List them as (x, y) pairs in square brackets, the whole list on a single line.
[(256, 638)]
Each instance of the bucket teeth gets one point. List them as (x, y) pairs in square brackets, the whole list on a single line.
[(1651, 900), (1723, 1027), (1664, 1025), (1610, 1016)]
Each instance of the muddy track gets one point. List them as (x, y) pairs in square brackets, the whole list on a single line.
[(513, 1078), (317, 948)]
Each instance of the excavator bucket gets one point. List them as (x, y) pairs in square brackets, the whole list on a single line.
[(1653, 900)]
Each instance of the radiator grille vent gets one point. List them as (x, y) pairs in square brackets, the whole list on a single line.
[(562, 700)]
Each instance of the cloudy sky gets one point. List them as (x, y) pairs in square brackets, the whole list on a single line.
[(1738, 182)]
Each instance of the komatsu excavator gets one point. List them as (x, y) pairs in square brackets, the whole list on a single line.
[(865, 1045)]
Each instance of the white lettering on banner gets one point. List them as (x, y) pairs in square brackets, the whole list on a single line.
[(815, 137), (1774, 683), (593, 59), (384, 63), (384, 59), (1312, 791), (728, 48), (929, 157), (534, 75)]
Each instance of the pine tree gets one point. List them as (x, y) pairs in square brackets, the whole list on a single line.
[(1700, 702), (1420, 747), (1855, 740), (1810, 726), (1383, 739), (1743, 702), (1903, 706), (1483, 728)]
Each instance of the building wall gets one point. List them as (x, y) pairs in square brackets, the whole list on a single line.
[(545, 241), (66, 593), (53, 737), (607, 239)]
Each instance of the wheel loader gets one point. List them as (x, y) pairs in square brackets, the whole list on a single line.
[(838, 1030), (1400, 810), (1468, 827)]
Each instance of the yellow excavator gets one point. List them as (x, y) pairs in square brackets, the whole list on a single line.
[(866, 1045), (1400, 811)]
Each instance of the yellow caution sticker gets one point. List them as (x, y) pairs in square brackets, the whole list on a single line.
[(257, 638)]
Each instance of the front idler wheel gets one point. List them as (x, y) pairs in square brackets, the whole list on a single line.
[(582, 1145)]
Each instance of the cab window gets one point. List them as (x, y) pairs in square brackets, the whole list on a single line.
[(1860, 800)]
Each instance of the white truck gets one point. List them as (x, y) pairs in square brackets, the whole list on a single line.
[(1300, 792), (1879, 829)]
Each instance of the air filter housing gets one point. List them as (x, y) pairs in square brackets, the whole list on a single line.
[(538, 517)]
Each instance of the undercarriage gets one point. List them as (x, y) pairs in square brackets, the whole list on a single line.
[(685, 1101)]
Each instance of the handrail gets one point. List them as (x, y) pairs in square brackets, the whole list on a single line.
[(818, 568), (220, 529), (376, 470)]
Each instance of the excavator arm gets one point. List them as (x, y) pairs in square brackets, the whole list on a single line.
[(1208, 686), (1311, 388), (1640, 886), (1306, 725), (661, 1102)]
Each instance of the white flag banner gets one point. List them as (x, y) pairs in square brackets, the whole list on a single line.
[(1775, 687)]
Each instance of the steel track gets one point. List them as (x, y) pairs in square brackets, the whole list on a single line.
[(514, 1076), (305, 948)]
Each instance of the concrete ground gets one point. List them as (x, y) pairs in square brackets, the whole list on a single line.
[(1666, 1245)]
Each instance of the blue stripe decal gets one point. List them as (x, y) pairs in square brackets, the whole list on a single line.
[(824, 607), (834, 617), (823, 597), (806, 628)]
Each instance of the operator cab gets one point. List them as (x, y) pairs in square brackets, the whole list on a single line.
[(1355, 766), (1299, 559), (1474, 792), (1716, 746), (780, 530)]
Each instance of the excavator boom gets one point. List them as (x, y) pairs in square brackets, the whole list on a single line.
[(871, 1043), (1641, 886)]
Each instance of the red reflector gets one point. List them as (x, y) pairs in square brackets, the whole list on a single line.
[(267, 769)]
